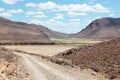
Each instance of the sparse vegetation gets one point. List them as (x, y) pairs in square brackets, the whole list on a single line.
[(27, 43), (75, 41)]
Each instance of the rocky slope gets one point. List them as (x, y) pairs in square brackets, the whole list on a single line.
[(104, 28), (102, 57)]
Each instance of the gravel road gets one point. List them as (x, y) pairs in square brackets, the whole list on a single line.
[(44, 70)]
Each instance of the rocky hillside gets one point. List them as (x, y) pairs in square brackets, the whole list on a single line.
[(102, 57), (19, 31), (104, 28)]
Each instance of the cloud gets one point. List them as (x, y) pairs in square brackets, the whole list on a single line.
[(10, 2), (35, 21), (73, 14), (58, 16), (34, 13), (31, 5), (47, 5), (38, 14), (5, 14), (59, 25), (91, 1), (15, 11), (99, 8), (73, 7), (9, 13), (2, 9), (111, 15), (75, 20)]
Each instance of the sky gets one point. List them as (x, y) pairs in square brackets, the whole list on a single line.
[(67, 16)]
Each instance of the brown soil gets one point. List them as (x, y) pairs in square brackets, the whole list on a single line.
[(11, 67), (102, 57)]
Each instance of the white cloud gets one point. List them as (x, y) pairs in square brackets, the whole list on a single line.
[(35, 21), (61, 26), (75, 20), (99, 8), (34, 13), (15, 11), (47, 5), (73, 7), (5, 14), (111, 15), (91, 1), (72, 14), (11, 1), (38, 14), (58, 16), (31, 5), (2, 9), (9, 13)]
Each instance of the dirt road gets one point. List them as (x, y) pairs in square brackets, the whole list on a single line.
[(44, 70)]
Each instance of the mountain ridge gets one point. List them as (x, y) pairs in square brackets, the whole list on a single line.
[(19, 31), (103, 28)]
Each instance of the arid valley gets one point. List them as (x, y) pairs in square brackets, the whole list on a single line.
[(59, 40)]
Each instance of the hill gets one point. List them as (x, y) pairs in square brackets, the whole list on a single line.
[(104, 28), (52, 34), (19, 31), (102, 57)]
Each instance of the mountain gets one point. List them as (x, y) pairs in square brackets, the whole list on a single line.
[(104, 28), (102, 57), (50, 33), (20, 31)]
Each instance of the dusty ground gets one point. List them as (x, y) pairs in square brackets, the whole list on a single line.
[(48, 50), (40, 69), (44, 70), (11, 67)]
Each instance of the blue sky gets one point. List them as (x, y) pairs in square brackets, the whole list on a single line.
[(68, 16)]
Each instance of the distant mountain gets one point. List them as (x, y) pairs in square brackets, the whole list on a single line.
[(19, 31), (104, 28), (50, 33)]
